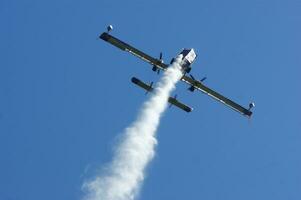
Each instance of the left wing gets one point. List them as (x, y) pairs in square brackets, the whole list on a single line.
[(126, 47), (200, 86)]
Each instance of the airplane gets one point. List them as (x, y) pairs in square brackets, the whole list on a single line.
[(188, 57)]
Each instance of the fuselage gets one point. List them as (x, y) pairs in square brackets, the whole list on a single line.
[(188, 57)]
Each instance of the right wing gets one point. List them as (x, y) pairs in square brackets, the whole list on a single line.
[(200, 86), (126, 47), (171, 100)]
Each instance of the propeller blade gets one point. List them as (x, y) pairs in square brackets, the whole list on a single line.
[(203, 79), (151, 84), (192, 77), (161, 55)]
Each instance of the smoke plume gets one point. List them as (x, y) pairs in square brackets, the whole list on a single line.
[(125, 173)]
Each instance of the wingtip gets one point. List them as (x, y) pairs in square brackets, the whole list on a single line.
[(104, 36)]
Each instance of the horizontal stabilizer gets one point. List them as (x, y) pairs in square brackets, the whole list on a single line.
[(177, 103), (171, 100)]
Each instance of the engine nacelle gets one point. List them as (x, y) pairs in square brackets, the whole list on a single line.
[(154, 68), (191, 89)]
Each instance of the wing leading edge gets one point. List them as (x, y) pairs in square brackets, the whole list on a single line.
[(200, 86), (126, 47)]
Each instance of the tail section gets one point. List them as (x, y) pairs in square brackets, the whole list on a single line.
[(171, 100)]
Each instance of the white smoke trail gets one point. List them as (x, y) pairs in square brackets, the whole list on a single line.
[(136, 150)]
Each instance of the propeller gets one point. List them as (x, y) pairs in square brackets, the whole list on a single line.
[(203, 79), (155, 68), (151, 84), (192, 88)]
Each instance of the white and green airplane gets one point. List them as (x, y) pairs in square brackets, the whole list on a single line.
[(188, 57)]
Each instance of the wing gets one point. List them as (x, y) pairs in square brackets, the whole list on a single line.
[(126, 47), (171, 100), (200, 86)]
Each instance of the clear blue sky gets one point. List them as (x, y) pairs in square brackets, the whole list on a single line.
[(65, 96)]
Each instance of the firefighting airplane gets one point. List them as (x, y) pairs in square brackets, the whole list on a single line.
[(188, 57)]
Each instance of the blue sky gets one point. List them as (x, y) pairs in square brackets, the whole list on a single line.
[(66, 96)]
